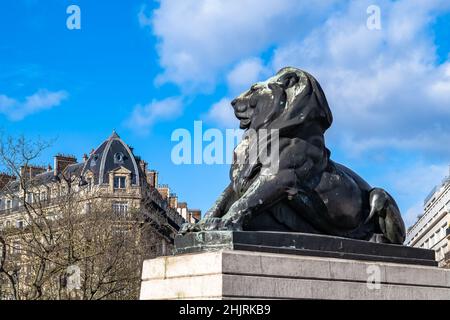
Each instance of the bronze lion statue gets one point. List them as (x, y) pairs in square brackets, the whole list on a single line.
[(308, 192)]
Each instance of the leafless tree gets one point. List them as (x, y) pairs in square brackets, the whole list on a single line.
[(71, 245)]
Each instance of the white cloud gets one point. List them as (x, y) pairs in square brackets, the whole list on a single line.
[(428, 142), (411, 215), (144, 116), (384, 86), (239, 79), (16, 110), (246, 73), (415, 182), (6, 103), (420, 176), (144, 20), (221, 114), (439, 91), (200, 39)]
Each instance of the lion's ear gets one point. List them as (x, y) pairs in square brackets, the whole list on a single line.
[(288, 80)]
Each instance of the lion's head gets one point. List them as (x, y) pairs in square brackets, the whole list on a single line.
[(286, 100)]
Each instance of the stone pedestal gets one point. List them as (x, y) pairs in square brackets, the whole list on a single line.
[(305, 244), (236, 274)]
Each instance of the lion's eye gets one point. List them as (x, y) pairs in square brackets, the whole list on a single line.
[(253, 102)]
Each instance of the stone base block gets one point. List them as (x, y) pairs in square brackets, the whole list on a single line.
[(302, 244), (231, 274)]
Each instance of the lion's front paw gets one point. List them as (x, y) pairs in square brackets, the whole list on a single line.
[(211, 224), (217, 224), (187, 227)]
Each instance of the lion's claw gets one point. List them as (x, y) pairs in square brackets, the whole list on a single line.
[(210, 224), (218, 224)]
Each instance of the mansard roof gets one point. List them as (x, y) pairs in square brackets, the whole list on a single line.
[(44, 178), (112, 154)]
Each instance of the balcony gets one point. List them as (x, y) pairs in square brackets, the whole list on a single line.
[(41, 204), (448, 232)]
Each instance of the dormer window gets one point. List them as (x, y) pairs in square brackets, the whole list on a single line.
[(119, 182), (118, 158), (94, 160)]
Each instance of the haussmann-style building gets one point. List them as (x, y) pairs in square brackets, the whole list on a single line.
[(111, 173), (111, 176), (432, 228)]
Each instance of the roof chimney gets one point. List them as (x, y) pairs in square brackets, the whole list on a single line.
[(143, 165), (196, 214), (164, 191), (173, 201), (152, 178), (30, 171), (5, 179), (62, 161)]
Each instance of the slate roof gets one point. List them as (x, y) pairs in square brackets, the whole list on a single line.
[(110, 155)]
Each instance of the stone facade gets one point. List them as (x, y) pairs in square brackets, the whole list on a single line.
[(110, 177), (432, 229), (110, 174)]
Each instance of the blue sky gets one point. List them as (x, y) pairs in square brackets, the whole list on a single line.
[(146, 68)]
